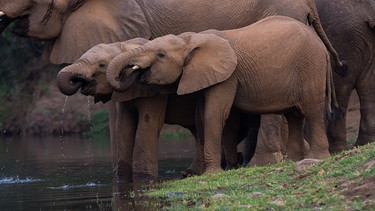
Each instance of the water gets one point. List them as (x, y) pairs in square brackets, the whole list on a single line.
[(73, 173)]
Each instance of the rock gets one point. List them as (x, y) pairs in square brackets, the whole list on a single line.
[(304, 164)]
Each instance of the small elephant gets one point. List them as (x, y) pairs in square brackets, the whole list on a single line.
[(179, 110), (277, 65)]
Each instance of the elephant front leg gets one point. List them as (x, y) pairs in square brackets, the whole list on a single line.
[(216, 112), (150, 121), (112, 110), (124, 137)]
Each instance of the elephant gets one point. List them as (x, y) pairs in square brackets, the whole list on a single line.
[(179, 110), (238, 68), (350, 25), (73, 27)]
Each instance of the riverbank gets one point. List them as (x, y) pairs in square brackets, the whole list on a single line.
[(343, 182)]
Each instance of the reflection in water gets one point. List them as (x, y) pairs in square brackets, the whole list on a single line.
[(73, 173)]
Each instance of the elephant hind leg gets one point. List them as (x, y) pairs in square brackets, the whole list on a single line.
[(319, 146), (366, 133), (295, 145)]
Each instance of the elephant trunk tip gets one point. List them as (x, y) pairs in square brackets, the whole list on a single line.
[(69, 84), (342, 68)]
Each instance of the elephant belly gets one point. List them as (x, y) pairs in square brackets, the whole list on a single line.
[(262, 104)]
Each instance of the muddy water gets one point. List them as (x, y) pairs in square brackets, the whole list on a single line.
[(73, 173)]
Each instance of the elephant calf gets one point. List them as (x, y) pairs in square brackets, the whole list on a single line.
[(132, 108), (277, 65)]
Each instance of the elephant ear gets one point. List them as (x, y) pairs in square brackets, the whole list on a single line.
[(211, 60), (98, 21)]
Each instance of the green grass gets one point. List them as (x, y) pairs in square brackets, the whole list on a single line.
[(176, 135), (344, 182)]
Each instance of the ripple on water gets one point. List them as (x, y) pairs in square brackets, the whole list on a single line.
[(66, 187), (15, 180)]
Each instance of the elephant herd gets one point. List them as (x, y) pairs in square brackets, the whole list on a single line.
[(214, 73)]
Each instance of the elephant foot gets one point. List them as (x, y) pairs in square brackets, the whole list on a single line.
[(295, 156), (239, 162), (123, 173), (189, 173), (363, 141), (322, 154), (266, 158), (213, 170), (334, 149)]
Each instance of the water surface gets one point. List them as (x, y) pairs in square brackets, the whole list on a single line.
[(73, 173)]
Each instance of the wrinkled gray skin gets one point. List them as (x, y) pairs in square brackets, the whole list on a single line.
[(73, 27), (350, 25), (179, 109), (243, 64)]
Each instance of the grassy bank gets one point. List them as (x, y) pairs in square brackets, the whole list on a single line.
[(344, 182)]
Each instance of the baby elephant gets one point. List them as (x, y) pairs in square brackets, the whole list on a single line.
[(277, 65)]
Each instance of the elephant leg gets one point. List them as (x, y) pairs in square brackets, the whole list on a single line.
[(295, 145), (216, 111), (319, 146), (272, 140), (112, 110), (336, 129), (366, 133), (197, 166), (250, 124), (125, 129), (151, 115), (229, 141)]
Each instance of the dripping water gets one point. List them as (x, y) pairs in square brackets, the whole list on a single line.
[(62, 154), (89, 152)]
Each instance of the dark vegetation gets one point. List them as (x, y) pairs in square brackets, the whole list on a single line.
[(30, 103)]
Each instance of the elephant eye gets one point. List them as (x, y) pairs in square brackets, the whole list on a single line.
[(160, 54), (101, 65)]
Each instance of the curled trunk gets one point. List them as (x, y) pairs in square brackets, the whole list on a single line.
[(69, 81), (115, 73)]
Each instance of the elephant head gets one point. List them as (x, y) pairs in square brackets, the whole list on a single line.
[(69, 26), (88, 72), (197, 60)]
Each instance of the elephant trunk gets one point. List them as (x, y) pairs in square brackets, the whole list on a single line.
[(69, 81), (116, 75)]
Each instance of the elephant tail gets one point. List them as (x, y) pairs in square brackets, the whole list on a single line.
[(332, 107), (341, 67)]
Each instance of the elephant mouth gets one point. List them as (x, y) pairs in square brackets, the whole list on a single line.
[(143, 74), (89, 88)]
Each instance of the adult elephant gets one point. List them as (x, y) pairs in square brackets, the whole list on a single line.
[(72, 27), (350, 25), (242, 68)]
